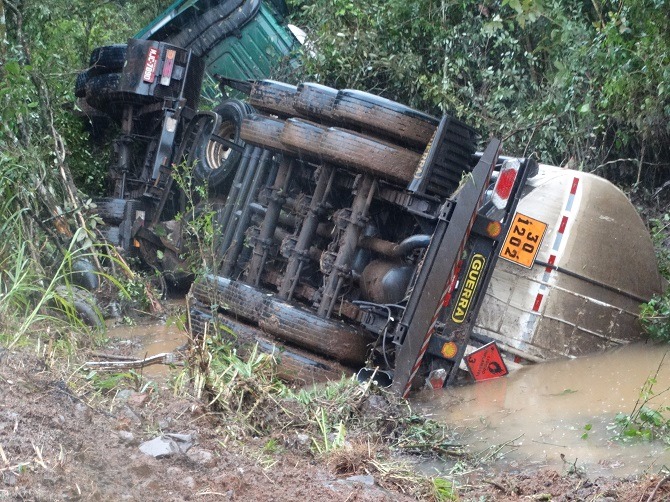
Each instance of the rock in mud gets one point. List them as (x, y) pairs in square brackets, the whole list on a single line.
[(167, 445), (126, 437), (366, 480), (202, 457)]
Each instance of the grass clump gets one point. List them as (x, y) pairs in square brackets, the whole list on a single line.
[(353, 428)]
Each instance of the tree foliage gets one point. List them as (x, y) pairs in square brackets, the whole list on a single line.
[(44, 148), (583, 83)]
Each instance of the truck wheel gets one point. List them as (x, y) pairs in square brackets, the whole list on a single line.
[(293, 364), (83, 303), (216, 161), (80, 85), (357, 151), (386, 117), (302, 367), (316, 101), (274, 97), (107, 59), (208, 26), (102, 93)]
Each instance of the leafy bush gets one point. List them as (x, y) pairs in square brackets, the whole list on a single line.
[(573, 82), (44, 149)]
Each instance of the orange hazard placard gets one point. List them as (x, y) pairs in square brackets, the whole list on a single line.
[(486, 363)]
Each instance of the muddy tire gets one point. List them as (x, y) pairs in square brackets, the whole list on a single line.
[(107, 59), (102, 93), (215, 161), (316, 101), (274, 97), (84, 274), (265, 132), (83, 303), (303, 137), (293, 364), (207, 28), (302, 367), (80, 84), (360, 152), (284, 321), (385, 117)]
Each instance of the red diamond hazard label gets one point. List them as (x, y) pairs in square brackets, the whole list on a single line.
[(486, 363)]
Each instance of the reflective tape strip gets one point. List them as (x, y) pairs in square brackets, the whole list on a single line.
[(555, 247)]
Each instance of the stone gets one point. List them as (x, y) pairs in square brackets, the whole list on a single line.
[(126, 437), (167, 445), (137, 399), (366, 480), (203, 457)]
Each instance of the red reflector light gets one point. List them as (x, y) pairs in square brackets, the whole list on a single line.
[(505, 182)]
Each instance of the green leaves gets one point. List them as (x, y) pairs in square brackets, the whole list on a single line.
[(595, 81)]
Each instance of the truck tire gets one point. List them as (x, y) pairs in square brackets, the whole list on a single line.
[(265, 132), (83, 303), (293, 364), (302, 367), (102, 93), (274, 97), (283, 321), (302, 137), (360, 152), (383, 116), (80, 84), (107, 59), (215, 161), (316, 101), (84, 274), (212, 24)]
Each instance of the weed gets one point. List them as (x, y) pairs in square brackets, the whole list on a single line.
[(329, 441), (444, 490), (198, 222), (655, 317), (422, 436), (644, 422), (106, 382), (271, 446)]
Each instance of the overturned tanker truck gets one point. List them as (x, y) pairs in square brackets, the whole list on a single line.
[(354, 232)]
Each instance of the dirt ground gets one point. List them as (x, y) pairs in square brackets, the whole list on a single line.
[(58, 444)]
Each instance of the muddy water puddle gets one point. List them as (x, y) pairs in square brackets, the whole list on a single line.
[(146, 340), (537, 415)]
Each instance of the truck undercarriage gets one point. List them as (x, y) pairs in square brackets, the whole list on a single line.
[(350, 231)]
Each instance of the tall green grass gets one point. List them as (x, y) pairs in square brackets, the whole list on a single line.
[(37, 260)]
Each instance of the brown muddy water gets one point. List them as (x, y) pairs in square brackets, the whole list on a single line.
[(536, 416), (147, 340)]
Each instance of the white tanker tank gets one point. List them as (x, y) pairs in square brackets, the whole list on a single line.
[(595, 266)]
